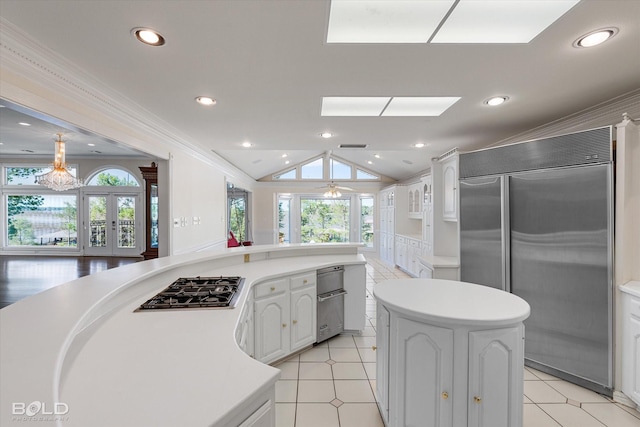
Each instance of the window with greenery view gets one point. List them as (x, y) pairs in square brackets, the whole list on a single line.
[(324, 220), (366, 221), (114, 178), (42, 220), (237, 213)]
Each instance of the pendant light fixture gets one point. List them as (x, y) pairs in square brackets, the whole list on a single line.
[(59, 178)]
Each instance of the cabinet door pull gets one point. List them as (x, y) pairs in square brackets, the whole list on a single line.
[(284, 325), (294, 322), (304, 282), (477, 399), (374, 348), (273, 288), (445, 395)]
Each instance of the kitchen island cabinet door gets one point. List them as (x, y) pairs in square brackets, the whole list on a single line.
[(382, 361), (303, 317), (495, 386), (421, 374), (272, 336)]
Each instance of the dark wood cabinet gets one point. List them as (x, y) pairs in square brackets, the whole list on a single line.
[(150, 175)]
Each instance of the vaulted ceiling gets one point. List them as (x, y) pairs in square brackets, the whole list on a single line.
[(268, 65)]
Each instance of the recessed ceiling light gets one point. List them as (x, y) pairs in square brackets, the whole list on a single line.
[(246, 144), (205, 100), (24, 124), (595, 38), (369, 162), (496, 100), (419, 145), (287, 162), (91, 144), (377, 156), (148, 36), (284, 155), (326, 134)]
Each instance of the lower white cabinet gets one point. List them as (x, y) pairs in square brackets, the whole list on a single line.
[(439, 368), (262, 417), (285, 316), (631, 346), (245, 329)]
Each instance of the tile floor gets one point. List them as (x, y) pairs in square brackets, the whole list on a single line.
[(333, 384)]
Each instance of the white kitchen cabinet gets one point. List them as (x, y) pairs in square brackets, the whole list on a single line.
[(427, 217), (401, 252), (420, 374), (263, 417), (631, 341), (447, 362), (382, 365), (414, 201), (450, 188), (245, 329), (272, 327), (414, 251), (387, 224), (303, 316), (285, 316)]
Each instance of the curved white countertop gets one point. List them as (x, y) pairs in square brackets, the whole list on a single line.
[(451, 302), (82, 344), (631, 288)]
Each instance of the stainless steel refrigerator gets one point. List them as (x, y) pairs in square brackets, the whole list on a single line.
[(536, 219)]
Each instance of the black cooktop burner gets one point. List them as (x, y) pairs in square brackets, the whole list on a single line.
[(197, 292)]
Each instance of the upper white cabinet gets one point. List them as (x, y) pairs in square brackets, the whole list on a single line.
[(450, 188), (414, 201)]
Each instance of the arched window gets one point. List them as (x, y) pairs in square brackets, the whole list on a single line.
[(114, 177)]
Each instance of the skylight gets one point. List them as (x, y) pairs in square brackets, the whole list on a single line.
[(442, 21), (419, 106), (399, 106), (385, 21)]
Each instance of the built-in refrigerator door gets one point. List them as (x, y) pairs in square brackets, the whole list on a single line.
[(561, 265), (482, 249)]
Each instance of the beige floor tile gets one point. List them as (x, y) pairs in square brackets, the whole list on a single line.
[(370, 369), (632, 411), (316, 415), (577, 393), (525, 399), (315, 371), (359, 415), (569, 416), (536, 417), (367, 354), (540, 392), (353, 391), (286, 391), (342, 341), (285, 414), (316, 354), (365, 342), (316, 391), (344, 354), (611, 415), (349, 371), (289, 370), (528, 376)]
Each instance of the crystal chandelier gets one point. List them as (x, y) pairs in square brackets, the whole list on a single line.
[(59, 178)]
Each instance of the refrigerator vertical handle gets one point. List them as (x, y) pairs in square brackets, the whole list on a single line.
[(506, 234)]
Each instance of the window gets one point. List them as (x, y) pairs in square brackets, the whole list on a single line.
[(360, 174), (366, 220), (313, 170), (114, 178), (339, 170), (42, 220), (27, 175), (323, 220), (284, 219), (237, 223), (290, 174)]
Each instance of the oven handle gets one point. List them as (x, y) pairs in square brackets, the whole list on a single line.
[(332, 294)]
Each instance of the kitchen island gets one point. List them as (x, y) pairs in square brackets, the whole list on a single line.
[(79, 355), (449, 353)]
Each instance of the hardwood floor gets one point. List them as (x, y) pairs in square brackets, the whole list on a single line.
[(22, 276)]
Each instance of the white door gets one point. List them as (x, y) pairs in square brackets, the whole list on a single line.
[(272, 328), (112, 225), (303, 317)]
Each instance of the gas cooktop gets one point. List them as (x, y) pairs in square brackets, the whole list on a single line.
[(197, 292)]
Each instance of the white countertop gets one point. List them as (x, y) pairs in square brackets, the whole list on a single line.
[(452, 302), (437, 261), (81, 343), (631, 288)]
